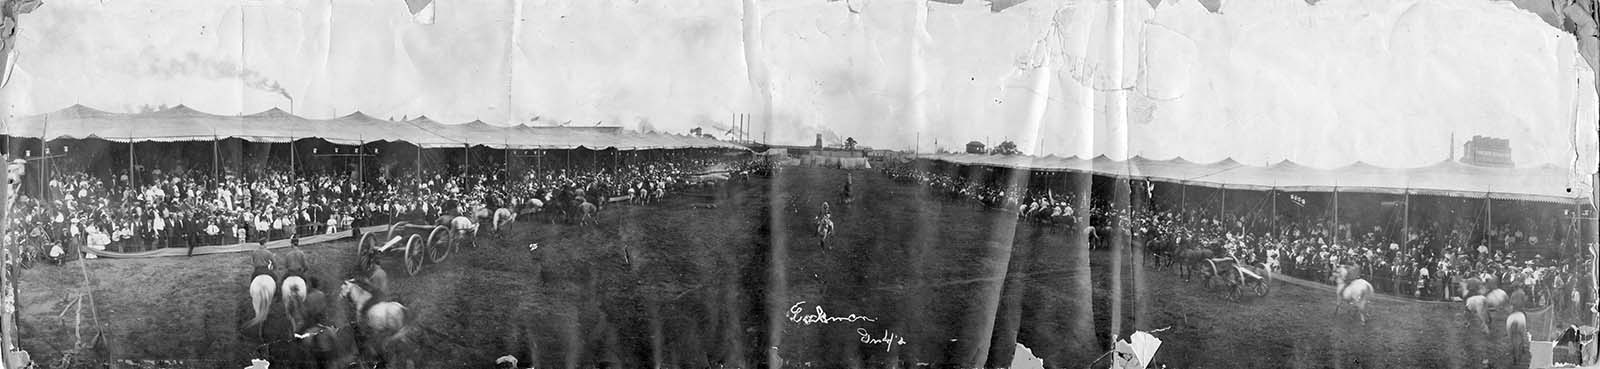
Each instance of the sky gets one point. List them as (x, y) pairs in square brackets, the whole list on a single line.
[(1387, 82)]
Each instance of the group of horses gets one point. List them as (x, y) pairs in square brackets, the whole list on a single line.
[(378, 330), (381, 329), (1486, 296)]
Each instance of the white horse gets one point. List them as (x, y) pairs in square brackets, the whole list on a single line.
[(503, 218), (1495, 300), (1517, 335), (386, 321), (262, 290), (1356, 293), (1477, 313), (294, 295)]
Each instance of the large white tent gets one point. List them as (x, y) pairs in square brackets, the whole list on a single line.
[(181, 123), (1447, 178)]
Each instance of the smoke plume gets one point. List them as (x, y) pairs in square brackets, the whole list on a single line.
[(195, 65)]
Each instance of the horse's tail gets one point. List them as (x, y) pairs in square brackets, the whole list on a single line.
[(294, 295), (262, 288)]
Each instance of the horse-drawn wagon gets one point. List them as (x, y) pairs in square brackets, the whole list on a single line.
[(1226, 272), (418, 243)]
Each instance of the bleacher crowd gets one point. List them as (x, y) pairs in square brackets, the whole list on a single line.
[(1429, 262), (183, 208)]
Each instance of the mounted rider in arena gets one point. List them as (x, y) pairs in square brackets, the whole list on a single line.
[(294, 262), (261, 260)]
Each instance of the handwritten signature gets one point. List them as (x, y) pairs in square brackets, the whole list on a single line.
[(888, 340), (796, 314)]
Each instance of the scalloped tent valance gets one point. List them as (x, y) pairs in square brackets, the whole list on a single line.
[(181, 123), (1545, 183)]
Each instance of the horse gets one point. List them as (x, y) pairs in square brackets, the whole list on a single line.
[(331, 346), (294, 295), (824, 229), (1517, 335), (1190, 259), (262, 289), (1471, 286), (1355, 293), (375, 274), (1495, 300), (385, 321), (465, 227), (1518, 299), (503, 219), (587, 211), (1477, 313)]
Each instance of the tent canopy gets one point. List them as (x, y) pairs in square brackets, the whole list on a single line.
[(181, 123), (1447, 178)]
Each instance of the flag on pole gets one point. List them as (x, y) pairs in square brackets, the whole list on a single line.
[(1297, 200), (421, 11)]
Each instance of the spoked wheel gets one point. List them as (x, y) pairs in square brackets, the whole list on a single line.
[(1233, 293), (369, 244), (439, 245), (1260, 288), (414, 254)]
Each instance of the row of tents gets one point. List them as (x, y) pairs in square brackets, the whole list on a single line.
[(1547, 183), (181, 123)]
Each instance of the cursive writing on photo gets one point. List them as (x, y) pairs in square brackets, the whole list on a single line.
[(888, 340), (797, 315)]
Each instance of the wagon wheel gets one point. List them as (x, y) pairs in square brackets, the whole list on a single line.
[(1260, 288), (414, 256), (368, 245), (397, 225), (439, 244), (1233, 292)]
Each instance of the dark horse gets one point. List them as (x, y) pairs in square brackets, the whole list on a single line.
[(1191, 258)]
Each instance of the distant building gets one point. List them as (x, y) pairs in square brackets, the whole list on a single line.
[(975, 147), (1487, 152), (819, 141)]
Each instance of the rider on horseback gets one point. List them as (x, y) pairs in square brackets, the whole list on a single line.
[(294, 262), (261, 260)]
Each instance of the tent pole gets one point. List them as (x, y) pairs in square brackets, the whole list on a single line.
[(130, 161), (44, 169), (1334, 235), (361, 162), (1183, 196), (1405, 223), (216, 158)]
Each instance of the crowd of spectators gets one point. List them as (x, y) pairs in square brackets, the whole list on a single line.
[(183, 208), (1429, 261)]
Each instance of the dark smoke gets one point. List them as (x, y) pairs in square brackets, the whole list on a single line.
[(195, 65)]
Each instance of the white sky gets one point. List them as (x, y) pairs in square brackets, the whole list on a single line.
[(1381, 81)]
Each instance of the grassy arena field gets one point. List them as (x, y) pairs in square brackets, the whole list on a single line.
[(671, 285)]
